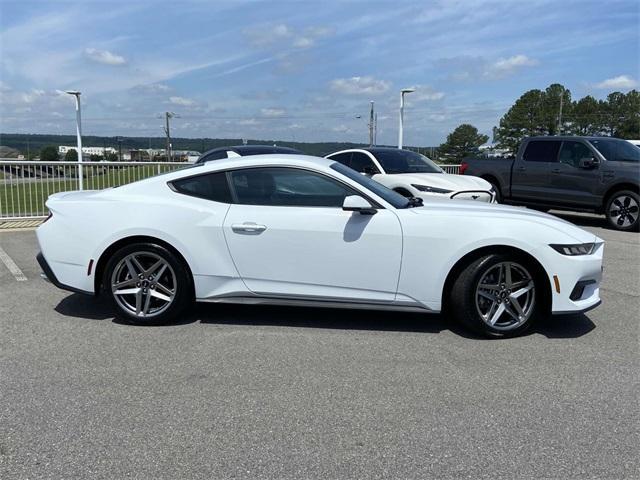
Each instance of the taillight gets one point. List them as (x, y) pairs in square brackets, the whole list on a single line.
[(463, 167)]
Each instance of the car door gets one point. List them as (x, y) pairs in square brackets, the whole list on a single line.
[(531, 173), (288, 236), (573, 182)]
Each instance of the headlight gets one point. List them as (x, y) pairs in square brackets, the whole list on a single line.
[(426, 188), (573, 250)]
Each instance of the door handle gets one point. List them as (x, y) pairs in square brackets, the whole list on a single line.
[(248, 228)]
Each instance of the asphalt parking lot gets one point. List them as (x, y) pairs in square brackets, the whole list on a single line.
[(266, 392)]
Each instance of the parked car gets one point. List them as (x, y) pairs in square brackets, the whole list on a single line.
[(412, 175), (300, 230), (597, 174), (245, 151)]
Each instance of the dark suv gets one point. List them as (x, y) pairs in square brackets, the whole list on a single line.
[(598, 174)]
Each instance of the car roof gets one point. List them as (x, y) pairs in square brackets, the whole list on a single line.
[(572, 137), (253, 150)]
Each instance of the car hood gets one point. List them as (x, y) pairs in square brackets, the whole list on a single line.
[(503, 212), (440, 180)]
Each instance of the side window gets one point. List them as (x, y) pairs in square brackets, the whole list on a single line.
[(212, 186), (361, 162), (572, 152), (627, 152), (343, 158), (542, 151), (287, 187)]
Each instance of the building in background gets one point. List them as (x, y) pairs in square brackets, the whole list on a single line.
[(102, 151)]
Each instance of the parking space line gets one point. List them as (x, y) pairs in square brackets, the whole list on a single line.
[(11, 265)]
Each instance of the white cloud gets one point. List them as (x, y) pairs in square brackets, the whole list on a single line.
[(248, 122), (273, 112), (506, 66), (360, 86), (182, 101), (153, 88), (269, 35), (621, 82), (104, 56), (282, 35)]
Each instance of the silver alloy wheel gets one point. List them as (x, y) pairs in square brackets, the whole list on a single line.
[(505, 296), (623, 211), (144, 284)]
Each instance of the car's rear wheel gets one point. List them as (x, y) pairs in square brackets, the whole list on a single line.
[(147, 284), (622, 210), (498, 295)]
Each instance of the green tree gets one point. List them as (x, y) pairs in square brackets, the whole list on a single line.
[(586, 117), (49, 154), (624, 114), (523, 119), (462, 142), (536, 112), (111, 157), (71, 155)]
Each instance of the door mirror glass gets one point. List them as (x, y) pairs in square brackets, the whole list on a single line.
[(355, 203)]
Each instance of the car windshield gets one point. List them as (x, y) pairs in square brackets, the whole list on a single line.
[(393, 198), (619, 150), (405, 161)]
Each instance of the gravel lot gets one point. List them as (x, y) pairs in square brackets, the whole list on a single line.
[(266, 392)]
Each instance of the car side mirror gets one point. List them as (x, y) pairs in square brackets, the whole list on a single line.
[(369, 170), (588, 163), (355, 203)]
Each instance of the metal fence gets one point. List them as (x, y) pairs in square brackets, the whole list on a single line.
[(25, 186)]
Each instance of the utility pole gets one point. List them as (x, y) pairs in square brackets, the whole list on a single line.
[(371, 125), (375, 129), (119, 140), (167, 131), (560, 115)]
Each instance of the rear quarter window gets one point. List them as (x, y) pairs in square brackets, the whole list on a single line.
[(210, 186), (541, 151)]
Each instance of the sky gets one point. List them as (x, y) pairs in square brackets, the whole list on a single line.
[(302, 70)]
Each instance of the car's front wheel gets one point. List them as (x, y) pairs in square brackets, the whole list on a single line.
[(622, 210), (498, 295), (147, 284)]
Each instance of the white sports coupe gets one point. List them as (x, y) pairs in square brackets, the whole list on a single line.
[(413, 175), (301, 230)]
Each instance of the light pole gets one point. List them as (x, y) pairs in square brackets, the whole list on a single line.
[(402, 92), (76, 94)]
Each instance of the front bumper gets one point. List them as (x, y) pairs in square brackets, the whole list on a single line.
[(578, 281)]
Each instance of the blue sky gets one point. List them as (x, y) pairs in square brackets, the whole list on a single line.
[(302, 70)]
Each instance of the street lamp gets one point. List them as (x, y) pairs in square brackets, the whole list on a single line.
[(76, 94), (402, 92)]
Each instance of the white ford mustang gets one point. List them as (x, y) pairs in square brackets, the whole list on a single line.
[(413, 175), (309, 231)]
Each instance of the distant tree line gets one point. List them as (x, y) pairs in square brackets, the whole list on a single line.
[(553, 112), (550, 112)]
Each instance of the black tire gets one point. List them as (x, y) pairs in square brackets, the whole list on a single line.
[(467, 309), (622, 212), (173, 281)]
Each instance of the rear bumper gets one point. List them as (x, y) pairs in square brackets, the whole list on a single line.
[(51, 277)]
